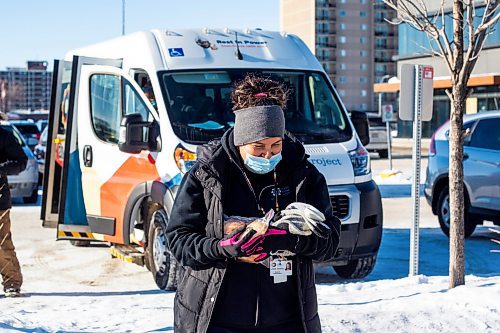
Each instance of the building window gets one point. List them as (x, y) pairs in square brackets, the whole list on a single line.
[(343, 53), (381, 43), (363, 53), (364, 27), (364, 107), (363, 13), (342, 66), (342, 26), (363, 67), (363, 40), (363, 93), (342, 13), (342, 39), (342, 92), (363, 79), (342, 79)]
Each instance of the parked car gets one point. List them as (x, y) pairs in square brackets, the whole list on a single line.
[(378, 137), (25, 184), (39, 153), (42, 123), (481, 172), (29, 131)]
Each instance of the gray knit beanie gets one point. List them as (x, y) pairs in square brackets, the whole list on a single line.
[(257, 123)]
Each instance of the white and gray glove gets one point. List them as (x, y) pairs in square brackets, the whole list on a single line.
[(302, 219)]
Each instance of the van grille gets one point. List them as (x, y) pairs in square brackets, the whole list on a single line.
[(316, 150), (340, 205)]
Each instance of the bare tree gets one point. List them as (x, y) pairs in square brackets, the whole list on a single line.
[(460, 53), (10, 94)]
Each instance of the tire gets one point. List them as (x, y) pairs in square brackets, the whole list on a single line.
[(383, 153), (443, 213), (159, 260), (33, 198), (79, 243), (357, 268)]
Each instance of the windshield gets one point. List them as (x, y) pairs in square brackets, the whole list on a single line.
[(15, 133), (200, 107)]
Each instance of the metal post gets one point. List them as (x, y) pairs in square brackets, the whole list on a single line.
[(389, 139), (123, 17), (389, 153), (380, 104), (415, 192)]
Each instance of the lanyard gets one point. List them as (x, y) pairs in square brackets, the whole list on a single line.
[(276, 203)]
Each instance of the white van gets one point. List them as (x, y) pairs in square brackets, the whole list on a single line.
[(127, 116)]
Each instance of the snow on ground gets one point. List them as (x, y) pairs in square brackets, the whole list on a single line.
[(74, 289)]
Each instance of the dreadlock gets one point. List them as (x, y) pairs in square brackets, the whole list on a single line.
[(254, 90)]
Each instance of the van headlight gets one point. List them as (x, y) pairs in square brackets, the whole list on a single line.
[(184, 158), (360, 159)]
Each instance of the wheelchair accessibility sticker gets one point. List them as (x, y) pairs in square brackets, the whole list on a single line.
[(176, 52)]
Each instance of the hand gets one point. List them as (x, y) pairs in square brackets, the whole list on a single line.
[(273, 240), (239, 243), (302, 219)]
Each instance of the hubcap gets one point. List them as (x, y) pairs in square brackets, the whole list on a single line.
[(445, 211), (159, 248)]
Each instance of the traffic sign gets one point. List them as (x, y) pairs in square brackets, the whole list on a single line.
[(387, 113)]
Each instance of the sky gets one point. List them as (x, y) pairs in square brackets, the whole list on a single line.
[(47, 29)]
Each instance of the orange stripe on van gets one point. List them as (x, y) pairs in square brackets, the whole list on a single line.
[(116, 191)]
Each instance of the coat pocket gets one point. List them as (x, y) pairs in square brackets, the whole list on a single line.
[(185, 320), (192, 292)]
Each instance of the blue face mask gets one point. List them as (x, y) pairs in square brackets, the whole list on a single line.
[(261, 165)]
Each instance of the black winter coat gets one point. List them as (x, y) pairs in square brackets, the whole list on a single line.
[(196, 225), (12, 161)]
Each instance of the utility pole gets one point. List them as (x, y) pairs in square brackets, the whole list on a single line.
[(123, 17)]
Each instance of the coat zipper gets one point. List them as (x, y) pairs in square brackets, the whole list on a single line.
[(257, 310)]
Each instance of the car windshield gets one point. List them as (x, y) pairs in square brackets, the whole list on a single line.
[(27, 128), (44, 135), (200, 108), (16, 134)]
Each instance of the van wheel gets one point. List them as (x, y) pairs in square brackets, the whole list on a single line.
[(356, 269), (444, 214), (33, 198), (161, 263)]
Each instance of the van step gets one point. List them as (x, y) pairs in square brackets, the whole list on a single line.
[(128, 254)]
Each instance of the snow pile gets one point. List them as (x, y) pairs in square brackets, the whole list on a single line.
[(83, 290)]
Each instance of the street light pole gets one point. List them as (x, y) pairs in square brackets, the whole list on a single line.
[(123, 17)]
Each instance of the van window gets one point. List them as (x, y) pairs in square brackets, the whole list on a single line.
[(105, 106), (200, 109), (110, 98), (133, 103)]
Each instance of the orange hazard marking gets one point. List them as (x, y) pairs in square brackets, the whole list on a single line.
[(116, 191)]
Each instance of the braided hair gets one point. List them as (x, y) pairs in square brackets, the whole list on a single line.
[(254, 90)]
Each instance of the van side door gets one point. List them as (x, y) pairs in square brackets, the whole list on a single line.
[(109, 175)]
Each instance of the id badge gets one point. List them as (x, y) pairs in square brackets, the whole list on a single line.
[(280, 269)]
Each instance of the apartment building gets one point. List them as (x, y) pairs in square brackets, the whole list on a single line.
[(25, 88), (352, 40)]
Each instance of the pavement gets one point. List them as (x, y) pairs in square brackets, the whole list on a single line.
[(405, 145)]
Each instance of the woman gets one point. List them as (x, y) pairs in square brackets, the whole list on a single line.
[(253, 169)]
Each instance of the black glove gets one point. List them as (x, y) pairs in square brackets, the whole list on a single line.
[(275, 239), (239, 243)]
